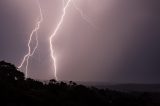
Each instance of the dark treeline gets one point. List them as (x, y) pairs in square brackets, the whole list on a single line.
[(15, 90)]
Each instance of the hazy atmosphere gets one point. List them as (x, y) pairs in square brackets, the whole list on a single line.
[(119, 43)]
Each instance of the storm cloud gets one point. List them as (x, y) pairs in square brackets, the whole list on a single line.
[(124, 46)]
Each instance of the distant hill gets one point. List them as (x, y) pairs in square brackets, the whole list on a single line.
[(125, 87), (135, 87), (15, 90)]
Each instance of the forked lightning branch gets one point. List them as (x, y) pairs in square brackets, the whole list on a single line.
[(30, 53)]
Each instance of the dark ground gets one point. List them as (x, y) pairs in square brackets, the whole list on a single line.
[(15, 90)]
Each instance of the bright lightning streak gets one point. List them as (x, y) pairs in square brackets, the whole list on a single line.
[(31, 53), (35, 46), (54, 33), (86, 18)]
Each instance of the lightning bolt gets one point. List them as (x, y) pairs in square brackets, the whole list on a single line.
[(84, 17), (30, 52), (66, 4), (54, 33)]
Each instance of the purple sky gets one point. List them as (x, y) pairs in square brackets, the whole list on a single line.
[(124, 46)]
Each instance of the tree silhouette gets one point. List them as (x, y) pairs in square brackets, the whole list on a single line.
[(15, 90), (52, 81), (8, 72)]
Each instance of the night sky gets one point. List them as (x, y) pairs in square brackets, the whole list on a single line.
[(123, 47)]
